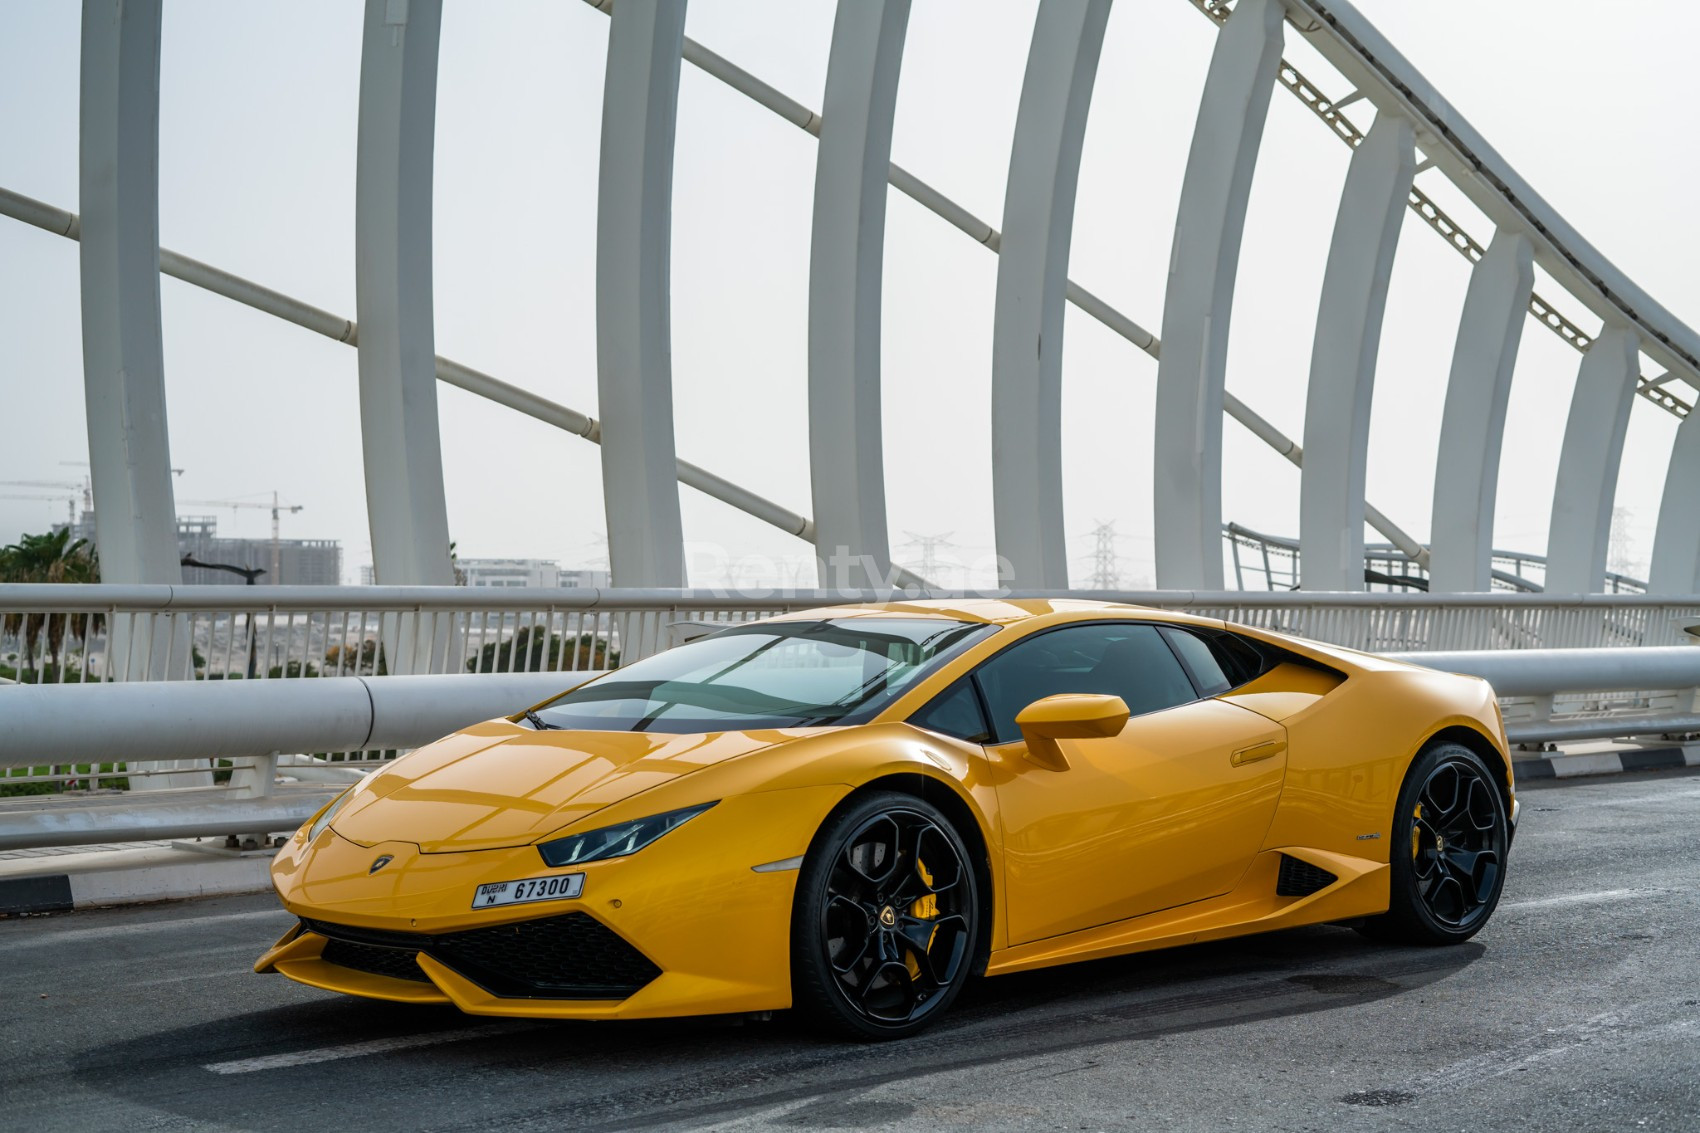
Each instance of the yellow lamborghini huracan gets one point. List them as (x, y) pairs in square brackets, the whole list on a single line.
[(851, 811)]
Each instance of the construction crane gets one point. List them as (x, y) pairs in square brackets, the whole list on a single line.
[(67, 490), (276, 509)]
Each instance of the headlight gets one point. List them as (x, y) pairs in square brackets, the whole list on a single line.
[(615, 841), (327, 814)]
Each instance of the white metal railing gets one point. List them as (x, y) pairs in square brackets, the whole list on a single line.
[(249, 722), (1271, 562), (67, 634)]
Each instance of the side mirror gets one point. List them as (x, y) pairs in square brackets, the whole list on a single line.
[(1068, 716)]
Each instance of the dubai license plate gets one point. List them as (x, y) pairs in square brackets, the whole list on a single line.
[(556, 888)]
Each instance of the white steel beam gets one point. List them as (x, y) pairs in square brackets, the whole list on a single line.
[(392, 219), (1027, 336), (634, 366), (1198, 304), (123, 358), (1343, 356), (1466, 473), (1588, 463), (1676, 544), (846, 257)]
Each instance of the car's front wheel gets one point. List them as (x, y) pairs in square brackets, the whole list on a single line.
[(885, 918), (1450, 838)]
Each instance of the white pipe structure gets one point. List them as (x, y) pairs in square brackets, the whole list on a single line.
[(634, 350), (232, 719), (1543, 672), (1343, 356), (983, 233), (123, 355), (1197, 306), (1027, 334), (1472, 430), (1368, 60), (846, 259), (1588, 463), (1676, 543), (401, 447), (123, 350), (342, 329)]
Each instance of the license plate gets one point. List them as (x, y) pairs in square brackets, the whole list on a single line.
[(555, 888)]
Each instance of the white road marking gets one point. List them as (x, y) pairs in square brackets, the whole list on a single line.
[(1585, 898), (103, 932), (359, 1050)]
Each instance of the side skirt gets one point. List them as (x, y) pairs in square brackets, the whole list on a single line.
[(1251, 907)]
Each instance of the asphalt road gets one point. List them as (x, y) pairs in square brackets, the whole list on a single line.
[(1578, 1007)]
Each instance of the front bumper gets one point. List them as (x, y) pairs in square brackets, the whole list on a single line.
[(683, 927)]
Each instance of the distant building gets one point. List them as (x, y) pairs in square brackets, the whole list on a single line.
[(300, 562), (522, 573), (530, 573)]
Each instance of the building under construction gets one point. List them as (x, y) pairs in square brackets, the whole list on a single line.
[(300, 562)]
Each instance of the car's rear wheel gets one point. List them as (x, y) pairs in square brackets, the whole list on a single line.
[(885, 918), (1450, 838)]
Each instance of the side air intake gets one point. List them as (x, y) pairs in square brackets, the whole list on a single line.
[(1301, 879)]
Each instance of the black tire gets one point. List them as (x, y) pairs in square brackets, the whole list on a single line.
[(1450, 841), (885, 921)]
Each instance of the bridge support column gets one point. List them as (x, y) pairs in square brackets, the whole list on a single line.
[(846, 260), (1343, 356), (123, 358), (1466, 475), (1676, 545), (1199, 300), (392, 222), (634, 366), (1027, 336), (1587, 465)]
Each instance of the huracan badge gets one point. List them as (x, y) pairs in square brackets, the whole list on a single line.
[(380, 863)]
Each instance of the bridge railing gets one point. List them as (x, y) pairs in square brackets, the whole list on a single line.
[(1565, 665), (68, 634)]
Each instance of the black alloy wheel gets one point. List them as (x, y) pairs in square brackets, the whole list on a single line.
[(885, 918), (1450, 838)]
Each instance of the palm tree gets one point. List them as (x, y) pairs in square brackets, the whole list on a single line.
[(48, 558)]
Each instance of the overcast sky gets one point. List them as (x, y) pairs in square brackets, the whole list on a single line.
[(1593, 104)]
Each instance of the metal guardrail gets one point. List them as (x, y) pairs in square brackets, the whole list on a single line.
[(67, 634), (249, 723)]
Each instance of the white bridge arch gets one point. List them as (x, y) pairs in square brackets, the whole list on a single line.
[(1415, 131)]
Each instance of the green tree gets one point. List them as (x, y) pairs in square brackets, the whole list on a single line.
[(54, 557), (529, 652)]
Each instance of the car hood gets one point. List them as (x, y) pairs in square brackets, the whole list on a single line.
[(497, 784)]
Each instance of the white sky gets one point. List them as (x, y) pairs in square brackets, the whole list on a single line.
[(1592, 104)]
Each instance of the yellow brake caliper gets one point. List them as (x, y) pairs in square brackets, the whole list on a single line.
[(926, 909), (1416, 833)]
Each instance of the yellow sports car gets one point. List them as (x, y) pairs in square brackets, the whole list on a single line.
[(851, 811)]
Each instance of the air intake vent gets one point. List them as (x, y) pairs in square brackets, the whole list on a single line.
[(566, 957), (1301, 879)]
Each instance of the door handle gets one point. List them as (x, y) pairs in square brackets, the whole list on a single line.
[(1266, 750)]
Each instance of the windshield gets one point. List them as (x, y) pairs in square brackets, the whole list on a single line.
[(771, 675)]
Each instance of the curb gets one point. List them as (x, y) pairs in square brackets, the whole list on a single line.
[(131, 877), (1604, 763)]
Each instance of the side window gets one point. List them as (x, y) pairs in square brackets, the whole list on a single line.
[(1241, 660), (1129, 661), (1201, 661), (955, 712)]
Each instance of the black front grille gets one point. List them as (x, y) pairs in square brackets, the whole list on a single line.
[(393, 962), (567, 957), (1301, 879)]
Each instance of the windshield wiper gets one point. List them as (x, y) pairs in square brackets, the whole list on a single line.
[(539, 722)]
